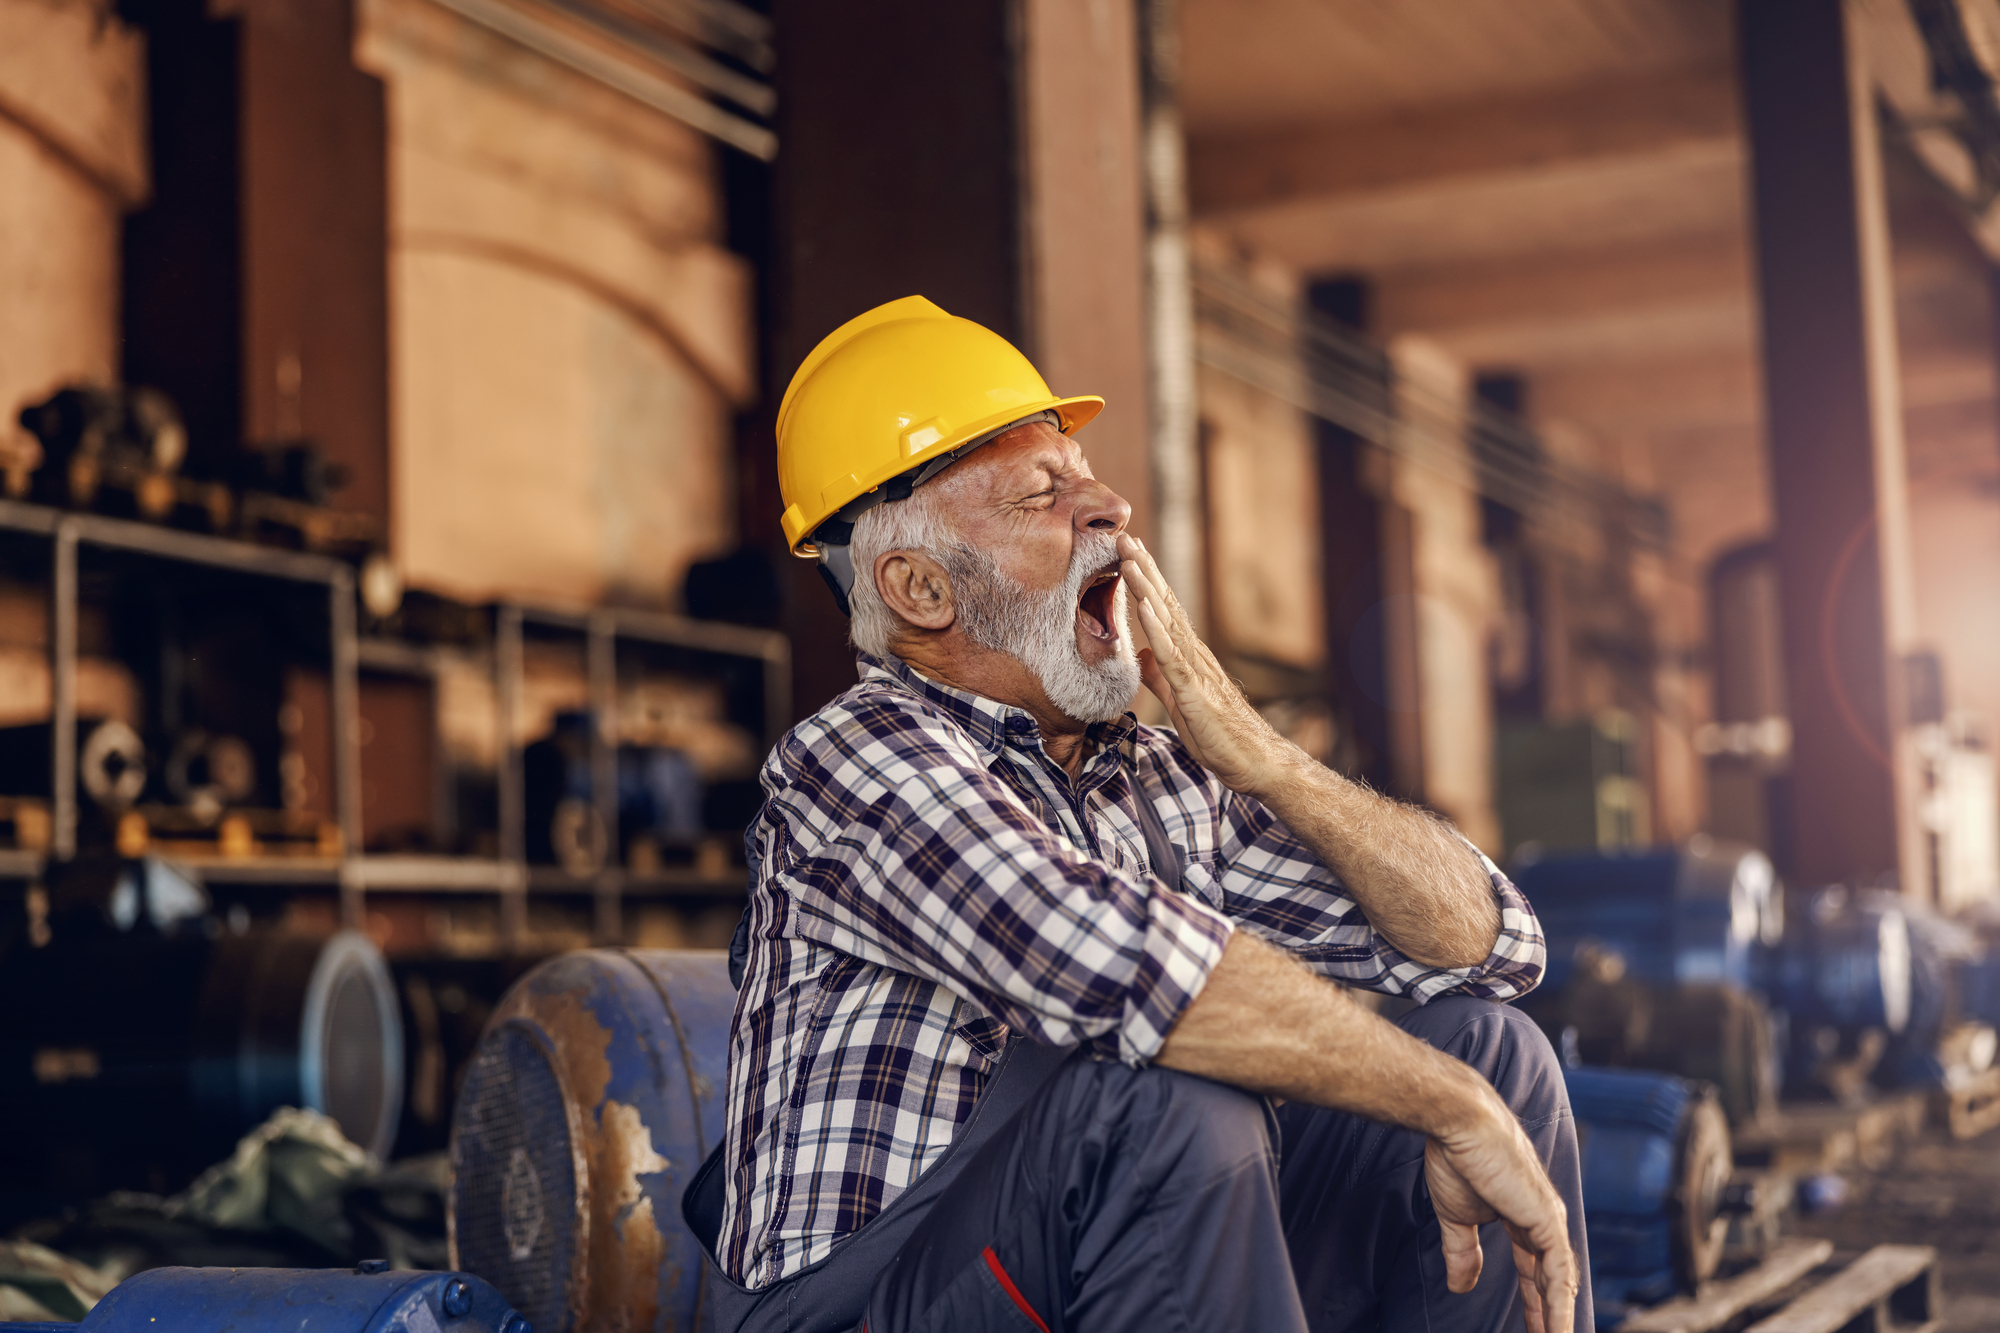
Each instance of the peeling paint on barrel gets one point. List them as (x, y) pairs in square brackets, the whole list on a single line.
[(644, 1081)]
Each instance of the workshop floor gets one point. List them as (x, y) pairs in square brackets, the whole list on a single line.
[(1937, 1192)]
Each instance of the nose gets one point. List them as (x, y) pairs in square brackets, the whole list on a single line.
[(1101, 508)]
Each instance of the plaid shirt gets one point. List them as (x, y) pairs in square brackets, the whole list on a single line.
[(926, 882)]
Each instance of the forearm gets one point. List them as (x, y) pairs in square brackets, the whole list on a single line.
[(1264, 1023), (1422, 886)]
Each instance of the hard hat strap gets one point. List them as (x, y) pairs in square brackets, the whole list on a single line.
[(835, 537)]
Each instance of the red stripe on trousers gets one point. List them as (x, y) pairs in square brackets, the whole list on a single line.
[(1007, 1285)]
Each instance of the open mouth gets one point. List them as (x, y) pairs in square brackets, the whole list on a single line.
[(1093, 608)]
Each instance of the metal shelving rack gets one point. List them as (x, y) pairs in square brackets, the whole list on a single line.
[(67, 532), (355, 874)]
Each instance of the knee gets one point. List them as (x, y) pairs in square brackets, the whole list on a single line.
[(1204, 1127), (1500, 1042)]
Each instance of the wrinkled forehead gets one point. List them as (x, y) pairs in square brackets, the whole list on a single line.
[(1019, 459)]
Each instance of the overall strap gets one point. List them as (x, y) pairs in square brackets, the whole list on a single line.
[(1168, 858)]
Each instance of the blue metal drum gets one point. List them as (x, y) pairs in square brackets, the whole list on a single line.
[(1656, 1161), (296, 1300), (593, 1098), (1849, 966), (1701, 913)]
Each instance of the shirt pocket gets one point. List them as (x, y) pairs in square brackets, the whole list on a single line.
[(1203, 878)]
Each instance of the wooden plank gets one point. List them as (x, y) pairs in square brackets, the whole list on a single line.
[(1719, 1302), (1806, 1138), (1897, 1283)]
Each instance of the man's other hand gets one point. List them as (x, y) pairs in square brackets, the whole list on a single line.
[(1489, 1171), (1264, 1023)]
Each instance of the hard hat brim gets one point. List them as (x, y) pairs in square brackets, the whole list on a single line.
[(1075, 413)]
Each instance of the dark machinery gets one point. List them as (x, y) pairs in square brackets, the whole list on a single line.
[(1703, 914), (1656, 1167), (95, 438), (209, 1031), (1683, 961), (595, 1094), (659, 796), (367, 1299)]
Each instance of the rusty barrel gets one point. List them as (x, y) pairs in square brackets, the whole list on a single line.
[(595, 1094)]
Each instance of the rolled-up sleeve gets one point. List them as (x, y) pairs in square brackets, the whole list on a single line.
[(900, 847), (1273, 885)]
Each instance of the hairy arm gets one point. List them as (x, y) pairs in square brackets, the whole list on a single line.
[(1263, 1022), (1423, 888), (1421, 885)]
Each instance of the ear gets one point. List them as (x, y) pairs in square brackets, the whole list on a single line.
[(916, 588)]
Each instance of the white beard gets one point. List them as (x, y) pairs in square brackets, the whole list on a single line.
[(1039, 628)]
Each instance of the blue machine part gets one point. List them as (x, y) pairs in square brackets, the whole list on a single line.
[(296, 1300), (1655, 1161), (1850, 965), (1979, 988), (1695, 914), (592, 1100)]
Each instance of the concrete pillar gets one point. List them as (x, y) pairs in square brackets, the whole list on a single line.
[(256, 282), (315, 242), (1835, 437), (1439, 591), (983, 154), (72, 160), (1180, 475)]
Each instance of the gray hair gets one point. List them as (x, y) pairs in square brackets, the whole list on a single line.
[(916, 524)]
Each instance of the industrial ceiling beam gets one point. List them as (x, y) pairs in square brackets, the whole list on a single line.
[(1660, 116)]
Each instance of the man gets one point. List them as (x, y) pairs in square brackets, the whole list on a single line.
[(1037, 1027)]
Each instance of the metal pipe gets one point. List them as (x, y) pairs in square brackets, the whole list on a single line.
[(62, 691), (345, 702), (601, 649), (220, 552), (659, 627), (507, 668), (640, 85)]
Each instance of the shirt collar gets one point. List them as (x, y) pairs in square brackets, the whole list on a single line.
[(990, 723)]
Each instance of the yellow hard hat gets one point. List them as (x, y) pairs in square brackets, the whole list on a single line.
[(898, 391)]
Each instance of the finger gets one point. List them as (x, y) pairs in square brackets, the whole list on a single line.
[(1178, 617), (1145, 588), (1152, 678), (1148, 584), (1139, 592), (1173, 661), (1554, 1271), (1556, 1276), (1527, 1273), (1462, 1256)]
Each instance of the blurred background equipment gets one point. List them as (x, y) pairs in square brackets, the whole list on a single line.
[(366, 1299), (96, 439), (209, 1029), (1656, 1170), (588, 1054)]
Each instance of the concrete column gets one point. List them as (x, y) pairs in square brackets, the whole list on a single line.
[(256, 281), (72, 160), (1180, 476), (1439, 590), (315, 242), (1835, 436), (984, 154)]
